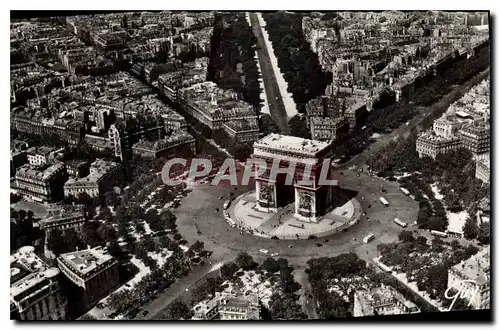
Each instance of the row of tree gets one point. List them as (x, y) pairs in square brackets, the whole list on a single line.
[(283, 304), (322, 272), (425, 264), (232, 57), (473, 230), (22, 231), (299, 64)]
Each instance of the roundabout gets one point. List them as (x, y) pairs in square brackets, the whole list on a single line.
[(200, 217)]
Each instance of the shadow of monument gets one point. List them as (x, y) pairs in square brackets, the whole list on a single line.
[(341, 196)]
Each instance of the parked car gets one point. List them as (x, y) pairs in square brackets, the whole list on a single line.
[(264, 251), (144, 313), (319, 244)]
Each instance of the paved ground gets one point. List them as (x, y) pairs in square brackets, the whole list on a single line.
[(38, 209), (274, 99), (198, 220), (283, 223)]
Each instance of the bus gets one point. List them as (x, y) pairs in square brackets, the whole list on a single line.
[(399, 222), (384, 267), (439, 233), (384, 201), (368, 238), (231, 222), (226, 204), (405, 191)]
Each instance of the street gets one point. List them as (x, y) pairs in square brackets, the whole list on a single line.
[(274, 99)]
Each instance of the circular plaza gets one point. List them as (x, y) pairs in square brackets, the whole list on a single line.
[(283, 224)]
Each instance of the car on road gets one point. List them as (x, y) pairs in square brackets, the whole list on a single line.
[(275, 254), (100, 305), (231, 194), (290, 246), (144, 313), (384, 190), (319, 244), (186, 289), (341, 173), (216, 209), (325, 241), (221, 197), (264, 251)]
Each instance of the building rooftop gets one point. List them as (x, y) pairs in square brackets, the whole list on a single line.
[(60, 213), (380, 296), (476, 129), (326, 120), (430, 136), (26, 271), (242, 125), (291, 143), (178, 137), (83, 262), (43, 150), (40, 173), (98, 169), (249, 303)]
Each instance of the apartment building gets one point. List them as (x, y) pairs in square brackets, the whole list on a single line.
[(35, 292)]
